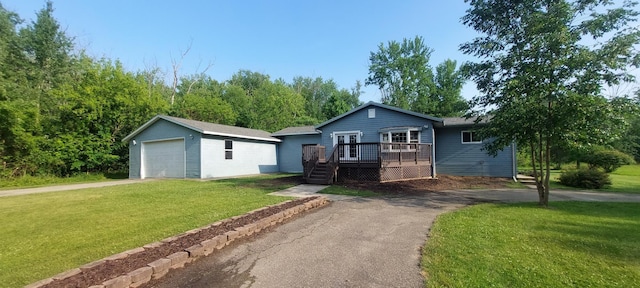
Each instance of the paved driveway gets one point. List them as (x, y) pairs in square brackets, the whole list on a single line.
[(357, 242)]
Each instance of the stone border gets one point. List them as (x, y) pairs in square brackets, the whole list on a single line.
[(161, 267)]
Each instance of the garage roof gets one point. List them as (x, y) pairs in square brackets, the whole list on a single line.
[(209, 129)]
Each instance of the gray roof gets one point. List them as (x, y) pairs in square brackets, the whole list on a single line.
[(209, 129), (371, 103), (300, 130), (461, 121)]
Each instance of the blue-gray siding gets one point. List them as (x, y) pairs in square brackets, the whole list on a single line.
[(455, 158), (370, 127), (163, 129), (290, 151)]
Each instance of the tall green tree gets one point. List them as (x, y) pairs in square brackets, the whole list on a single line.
[(200, 98), (448, 91), (402, 73), (540, 75)]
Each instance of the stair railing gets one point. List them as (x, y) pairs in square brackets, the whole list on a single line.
[(333, 163), (310, 158)]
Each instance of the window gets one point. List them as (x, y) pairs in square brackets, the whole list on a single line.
[(470, 137), (414, 137), (399, 137), (228, 149), (408, 135)]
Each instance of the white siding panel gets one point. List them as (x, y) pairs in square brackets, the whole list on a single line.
[(248, 158), (163, 159)]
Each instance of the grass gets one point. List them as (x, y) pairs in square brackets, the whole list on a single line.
[(339, 190), (625, 179), (36, 181), (573, 244), (45, 234)]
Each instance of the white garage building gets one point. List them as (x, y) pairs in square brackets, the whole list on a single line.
[(171, 147)]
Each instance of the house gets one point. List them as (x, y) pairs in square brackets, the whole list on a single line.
[(373, 142), (383, 143), (171, 147)]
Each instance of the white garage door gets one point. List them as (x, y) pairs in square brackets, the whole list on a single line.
[(163, 159)]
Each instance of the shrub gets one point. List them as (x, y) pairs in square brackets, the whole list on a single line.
[(585, 178), (608, 160)]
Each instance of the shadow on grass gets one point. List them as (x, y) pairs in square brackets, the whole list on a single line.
[(607, 230)]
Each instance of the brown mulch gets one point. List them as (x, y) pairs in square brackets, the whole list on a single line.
[(114, 268), (421, 186)]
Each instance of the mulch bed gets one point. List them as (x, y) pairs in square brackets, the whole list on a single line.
[(422, 186), (114, 268)]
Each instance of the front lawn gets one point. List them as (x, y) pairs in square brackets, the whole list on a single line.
[(572, 244), (37, 181), (625, 179), (45, 234)]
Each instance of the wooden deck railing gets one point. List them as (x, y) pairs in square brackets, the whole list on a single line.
[(384, 153), (371, 155)]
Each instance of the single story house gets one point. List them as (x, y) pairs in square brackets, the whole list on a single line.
[(374, 142)]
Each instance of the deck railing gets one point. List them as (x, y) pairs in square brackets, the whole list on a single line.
[(384, 153), (371, 155)]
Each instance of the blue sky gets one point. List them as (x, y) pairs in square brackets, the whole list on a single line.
[(330, 39)]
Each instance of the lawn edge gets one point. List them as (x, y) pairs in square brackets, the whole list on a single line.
[(160, 267)]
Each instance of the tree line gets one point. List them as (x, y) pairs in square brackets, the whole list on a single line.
[(63, 112)]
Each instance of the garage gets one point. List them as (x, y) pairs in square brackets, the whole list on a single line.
[(163, 159)]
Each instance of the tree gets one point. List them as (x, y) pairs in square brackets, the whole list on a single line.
[(402, 73), (448, 91), (540, 76), (200, 98)]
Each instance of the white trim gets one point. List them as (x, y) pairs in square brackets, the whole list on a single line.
[(335, 141), (433, 153), (407, 131), (158, 117), (470, 137), (240, 136)]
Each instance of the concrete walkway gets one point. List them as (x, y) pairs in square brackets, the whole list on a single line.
[(308, 190), (14, 192)]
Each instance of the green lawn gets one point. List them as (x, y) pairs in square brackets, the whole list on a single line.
[(572, 244), (36, 181), (625, 179), (44, 234)]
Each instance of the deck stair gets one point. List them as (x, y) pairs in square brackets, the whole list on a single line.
[(319, 174)]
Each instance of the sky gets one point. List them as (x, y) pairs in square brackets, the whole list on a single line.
[(284, 39)]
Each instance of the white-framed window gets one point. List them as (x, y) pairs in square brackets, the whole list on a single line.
[(228, 149), (471, 137), (409, 136)]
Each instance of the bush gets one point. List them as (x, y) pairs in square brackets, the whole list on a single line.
[(585, 178), (609, 160)]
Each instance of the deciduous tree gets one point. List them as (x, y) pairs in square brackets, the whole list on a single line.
[(544, 64)]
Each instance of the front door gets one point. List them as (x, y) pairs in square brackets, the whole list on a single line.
[(347, 152)]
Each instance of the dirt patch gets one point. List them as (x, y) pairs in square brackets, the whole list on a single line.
[(114, 268), (421, 186)]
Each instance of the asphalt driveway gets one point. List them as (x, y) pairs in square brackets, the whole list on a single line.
[(357, 242)]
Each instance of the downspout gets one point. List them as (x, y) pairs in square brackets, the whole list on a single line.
[(514, 163), (433, 152)]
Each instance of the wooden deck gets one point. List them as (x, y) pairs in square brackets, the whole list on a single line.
[(380, 162)]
